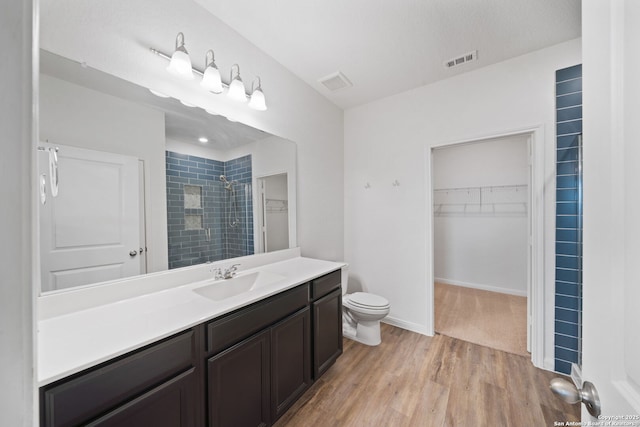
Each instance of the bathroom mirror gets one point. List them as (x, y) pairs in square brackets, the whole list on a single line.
[(138, 191)]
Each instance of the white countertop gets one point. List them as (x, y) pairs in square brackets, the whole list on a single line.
[(71, 342)]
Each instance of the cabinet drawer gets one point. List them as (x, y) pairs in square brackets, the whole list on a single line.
[(325, 284), (171, 404), (225, 332), (87, 395)]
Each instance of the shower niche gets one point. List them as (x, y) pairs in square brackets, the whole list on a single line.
[(209, 209)]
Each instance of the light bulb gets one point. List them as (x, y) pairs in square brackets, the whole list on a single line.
[(257, 101), (180, 64), (211, 80), (236, 90)]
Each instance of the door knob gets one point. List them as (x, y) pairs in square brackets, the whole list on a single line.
[(571, 394), (133, 253)]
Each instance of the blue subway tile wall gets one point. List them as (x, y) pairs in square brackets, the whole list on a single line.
[(239, 236), (568, 273), (210, 241)]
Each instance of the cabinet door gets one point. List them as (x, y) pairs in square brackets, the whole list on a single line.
[(290, 361), (327, 331), (171, 404), (238, 384)]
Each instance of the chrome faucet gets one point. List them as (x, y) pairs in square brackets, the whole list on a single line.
[(230, 272), (217, 273)]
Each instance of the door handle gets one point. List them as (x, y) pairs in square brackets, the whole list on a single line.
[(133, 253), (571, 394)]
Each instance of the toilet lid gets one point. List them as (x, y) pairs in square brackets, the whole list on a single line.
[(367, 300)]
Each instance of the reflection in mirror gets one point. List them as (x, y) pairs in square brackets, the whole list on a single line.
[(274, 208), (147, 184)]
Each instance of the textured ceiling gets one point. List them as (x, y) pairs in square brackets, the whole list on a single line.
[(387, 47)]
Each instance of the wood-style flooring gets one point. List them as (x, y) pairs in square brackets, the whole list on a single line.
[(414, 380), (490, 319)]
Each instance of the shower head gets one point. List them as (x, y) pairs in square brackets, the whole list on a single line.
[(227, 184)]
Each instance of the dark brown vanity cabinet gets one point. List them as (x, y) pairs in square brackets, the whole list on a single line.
[(238, 382), (156, 385), (326, 308), (290, 361), (253, 382), (245, 368)]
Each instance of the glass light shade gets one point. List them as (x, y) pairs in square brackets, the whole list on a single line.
[(180, 65), (211, 80), (236, 91), (257, 101)]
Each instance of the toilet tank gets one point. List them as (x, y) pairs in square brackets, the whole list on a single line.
[(344, 278)]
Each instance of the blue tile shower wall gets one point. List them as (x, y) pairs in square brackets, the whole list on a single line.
[(568, 274), (190, 247), (239, 240)]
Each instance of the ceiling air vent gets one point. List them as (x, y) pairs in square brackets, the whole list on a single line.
[(335, 81), (463, 59)]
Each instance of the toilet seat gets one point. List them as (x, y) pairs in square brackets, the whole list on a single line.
[(367, 301)]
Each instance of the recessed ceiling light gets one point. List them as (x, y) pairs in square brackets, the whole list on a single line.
[(203, 139)]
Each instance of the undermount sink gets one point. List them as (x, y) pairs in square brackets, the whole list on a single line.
[(227, 288)]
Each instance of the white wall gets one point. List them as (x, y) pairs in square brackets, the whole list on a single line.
[(386, 232), (16, 287), (483, 246), (81, 117), (115, 37)]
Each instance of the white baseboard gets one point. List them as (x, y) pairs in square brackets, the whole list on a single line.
[(481, 287), (409, 326)]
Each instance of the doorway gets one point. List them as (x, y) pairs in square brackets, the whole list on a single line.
[(273, 217), (486, 239)]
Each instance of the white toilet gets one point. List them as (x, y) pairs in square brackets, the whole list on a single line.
[(361, 313)]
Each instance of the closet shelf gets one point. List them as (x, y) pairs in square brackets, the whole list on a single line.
[(510, 200), (276, 205)]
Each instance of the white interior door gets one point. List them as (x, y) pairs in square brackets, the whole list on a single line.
[(91, 231), (611, 290)]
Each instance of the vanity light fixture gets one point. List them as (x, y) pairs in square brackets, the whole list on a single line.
[(236, 87), (257, 101), (211, 80), (180, 64)]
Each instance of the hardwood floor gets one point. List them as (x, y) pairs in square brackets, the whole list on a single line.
[(487, 318), (414, 380)]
